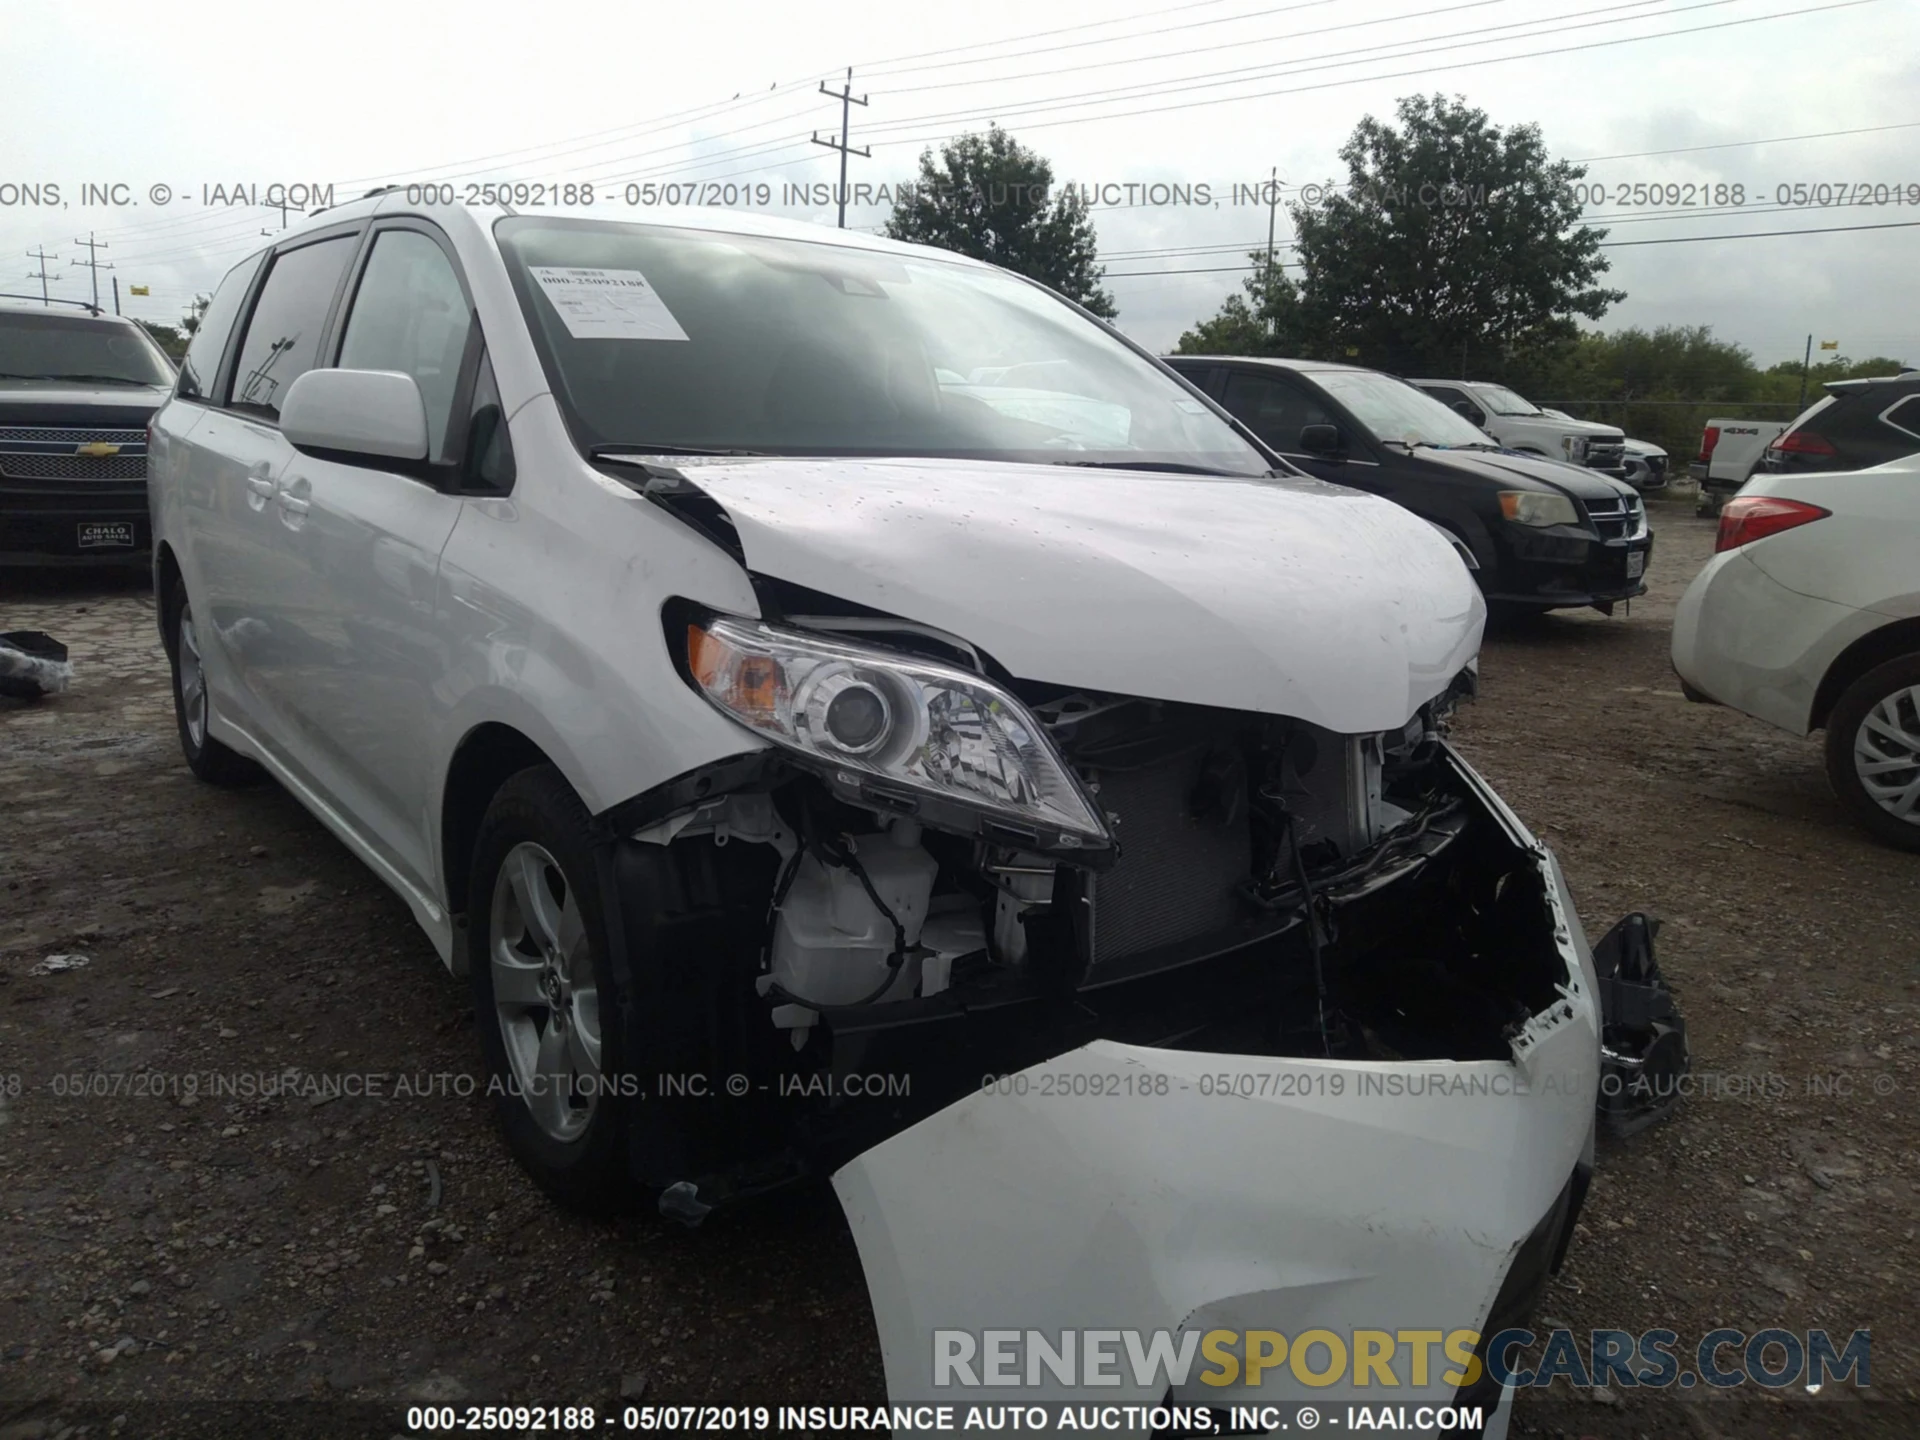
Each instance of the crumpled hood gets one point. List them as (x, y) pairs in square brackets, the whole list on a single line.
[(1284, 596), (1506, 466)]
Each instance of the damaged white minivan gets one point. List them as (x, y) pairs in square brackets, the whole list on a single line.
[(850, 713)]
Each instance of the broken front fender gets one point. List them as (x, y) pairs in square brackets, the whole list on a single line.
[(1173, 1193)]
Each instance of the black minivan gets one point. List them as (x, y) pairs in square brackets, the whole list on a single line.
[(1539, 535)]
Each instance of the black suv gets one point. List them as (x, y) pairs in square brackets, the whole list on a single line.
[(1539, 535), (76, 391), (1856, 425)]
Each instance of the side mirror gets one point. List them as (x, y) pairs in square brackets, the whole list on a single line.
[(369, 415), (1320, 439)]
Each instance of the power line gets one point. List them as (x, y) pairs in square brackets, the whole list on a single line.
[(1243, 44), (1604, 221), (1086, 99), (1151, 89), (1153, 34), (1604, 245), (877, 67), (1761, 234), (775, 147), (1737, 144)]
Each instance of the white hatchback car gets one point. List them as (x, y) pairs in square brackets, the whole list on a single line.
[(1808, 616), (801, 677)]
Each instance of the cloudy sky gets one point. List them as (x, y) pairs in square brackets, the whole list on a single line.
[(167, 102)]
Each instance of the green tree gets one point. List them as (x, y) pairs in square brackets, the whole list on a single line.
[(1265, 320), (990, 197), (1454, 242), (171, 338)]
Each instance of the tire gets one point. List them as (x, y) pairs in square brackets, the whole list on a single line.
[(193, 706), (544, 996), (1864, 733)]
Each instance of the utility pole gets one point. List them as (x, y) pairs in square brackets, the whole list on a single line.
[(1273, 206), (847, 99), (116, 294), (1805, 365), (41, 274), (282, 207), (92, 262)]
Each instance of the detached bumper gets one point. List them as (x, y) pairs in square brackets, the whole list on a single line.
[(1179, 1194)]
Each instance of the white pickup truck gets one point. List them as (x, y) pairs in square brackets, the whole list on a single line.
[(1519, 424), (1729, 451)]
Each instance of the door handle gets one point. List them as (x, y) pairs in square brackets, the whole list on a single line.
[(293, 501), (260, 483)]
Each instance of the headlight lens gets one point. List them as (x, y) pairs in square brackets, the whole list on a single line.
[(1575, 446), (1537, 507), (941, 733)]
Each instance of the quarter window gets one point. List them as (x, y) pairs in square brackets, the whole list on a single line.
[(283, 338), (1905, 416), (209, 341), (409, 315)]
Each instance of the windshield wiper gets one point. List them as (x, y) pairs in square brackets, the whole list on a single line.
[(625, 453), (1163, 467)]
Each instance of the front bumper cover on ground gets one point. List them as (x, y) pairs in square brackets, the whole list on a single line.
[(1128, 1188)]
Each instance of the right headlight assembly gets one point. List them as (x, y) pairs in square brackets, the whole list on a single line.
[(1538, 507), (895, 730)]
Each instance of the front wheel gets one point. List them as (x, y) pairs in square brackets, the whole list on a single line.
[(544, 995), (192, 706), (1873, 751)]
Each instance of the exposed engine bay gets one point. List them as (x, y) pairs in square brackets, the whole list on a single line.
[(1270, 888)]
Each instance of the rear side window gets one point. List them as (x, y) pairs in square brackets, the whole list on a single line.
[(283, 338), (1905, 416), (1825, 402), (409, 315), (209, 342)]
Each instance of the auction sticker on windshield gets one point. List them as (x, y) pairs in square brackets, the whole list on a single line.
[(607, 304)]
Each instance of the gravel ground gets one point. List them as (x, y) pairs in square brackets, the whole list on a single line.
[(164, 1249)]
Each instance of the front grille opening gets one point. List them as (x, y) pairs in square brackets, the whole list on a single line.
[(1437, 939)]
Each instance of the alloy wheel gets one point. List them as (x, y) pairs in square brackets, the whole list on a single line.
[(193, 681), (546, 1000)]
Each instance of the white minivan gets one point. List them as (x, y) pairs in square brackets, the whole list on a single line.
[(849, 712)]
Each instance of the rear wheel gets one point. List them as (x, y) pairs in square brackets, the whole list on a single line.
[(192, 707), (1873, 751), (544, 995)]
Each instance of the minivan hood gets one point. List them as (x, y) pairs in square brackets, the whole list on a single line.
[(1285, 596), (1505, 467)]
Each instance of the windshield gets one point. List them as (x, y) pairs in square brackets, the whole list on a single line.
[(1395, 411), (75, 347), (1503, 401), (658, 338)]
